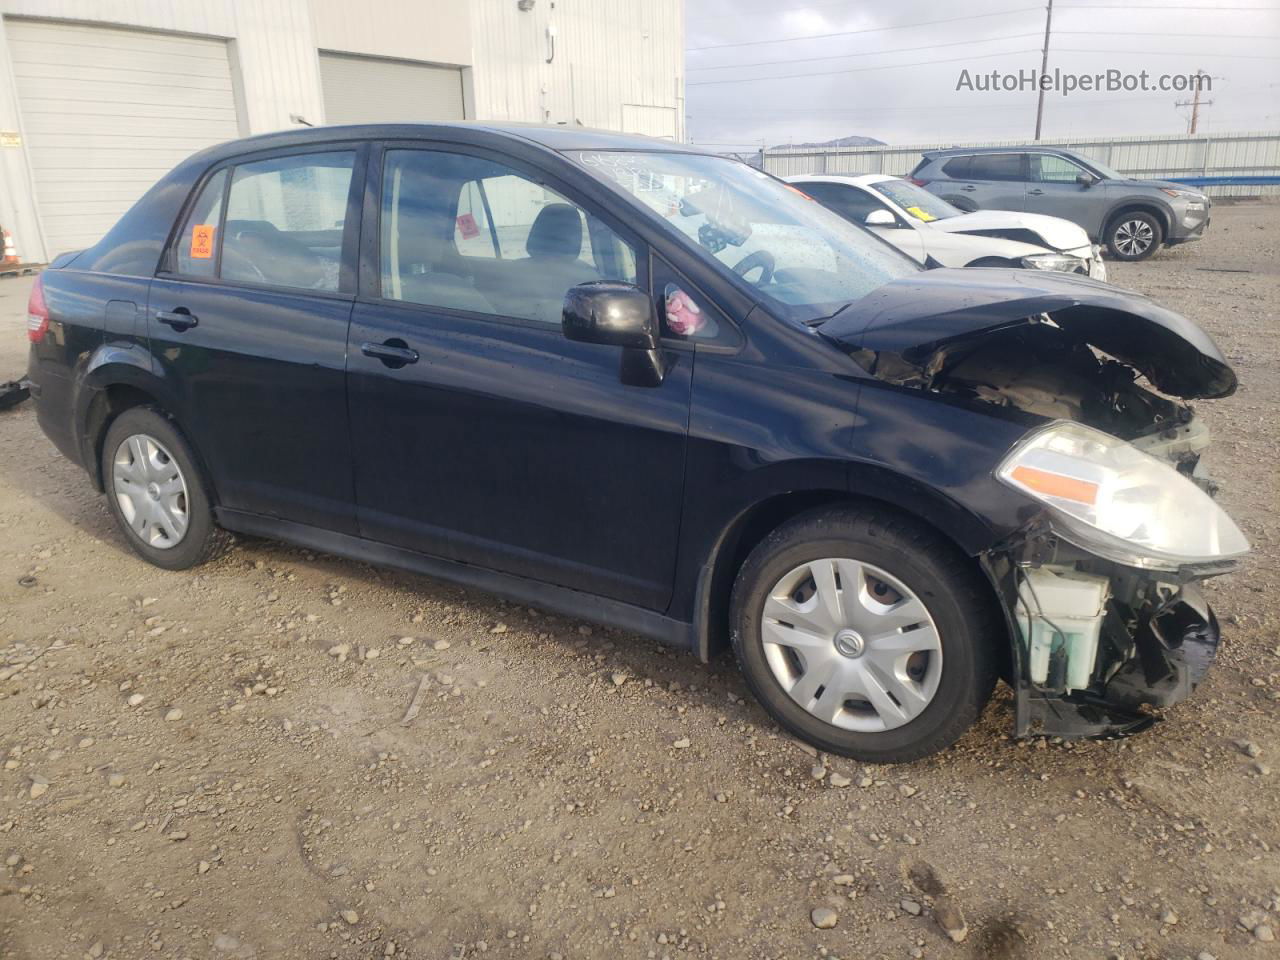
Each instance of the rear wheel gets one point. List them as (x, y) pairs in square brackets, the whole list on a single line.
[(865, 634), (156, 493), (1134, 236)]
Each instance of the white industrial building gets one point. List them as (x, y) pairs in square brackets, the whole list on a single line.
[(99, 98)]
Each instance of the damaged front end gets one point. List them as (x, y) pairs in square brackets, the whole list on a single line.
[(1100, 586), (1100, 648)]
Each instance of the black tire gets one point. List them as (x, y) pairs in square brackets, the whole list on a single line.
[(944, 579), (203, 539), (1127, 231)]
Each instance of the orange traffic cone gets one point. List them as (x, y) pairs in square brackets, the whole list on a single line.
[(10, 251)]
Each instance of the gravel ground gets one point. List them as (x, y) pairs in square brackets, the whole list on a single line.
[(214, 763)]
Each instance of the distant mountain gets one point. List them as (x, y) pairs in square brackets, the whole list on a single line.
[(838, 142)]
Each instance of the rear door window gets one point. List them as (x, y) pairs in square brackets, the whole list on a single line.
[(957, 168), (996, 166), (197, 243), (285, 221)]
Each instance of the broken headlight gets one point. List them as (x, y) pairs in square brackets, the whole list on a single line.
[(1112, 499), (1054, 261)]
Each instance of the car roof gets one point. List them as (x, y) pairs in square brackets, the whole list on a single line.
[(860, 179), (552, 137), (966, 151)]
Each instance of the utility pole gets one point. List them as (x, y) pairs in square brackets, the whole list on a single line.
[(1195, 103), (1044, 67)]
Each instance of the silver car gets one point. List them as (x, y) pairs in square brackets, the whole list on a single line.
[(1132, 217)]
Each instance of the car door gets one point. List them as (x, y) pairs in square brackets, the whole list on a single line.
[(996, 181), (481, 434), (1053, 188), (248, 318), (854, 204)]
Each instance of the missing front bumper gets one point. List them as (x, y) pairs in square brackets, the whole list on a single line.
[(1155, 641)]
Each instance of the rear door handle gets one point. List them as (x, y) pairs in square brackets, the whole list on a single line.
[(969, 188), (394, 352), (1035, 193), (180, 319)]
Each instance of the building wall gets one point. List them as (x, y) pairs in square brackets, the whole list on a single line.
[(438, 32), (617, 64)]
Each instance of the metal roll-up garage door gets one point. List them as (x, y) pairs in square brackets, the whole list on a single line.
[(372, 90), (107, 112)]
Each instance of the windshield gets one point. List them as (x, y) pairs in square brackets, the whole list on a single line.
[(807, 260), (921, 204)]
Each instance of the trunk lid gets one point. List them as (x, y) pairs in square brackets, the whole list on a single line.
[(903, 331)]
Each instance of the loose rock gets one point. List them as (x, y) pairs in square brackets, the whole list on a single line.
[(824, 918)]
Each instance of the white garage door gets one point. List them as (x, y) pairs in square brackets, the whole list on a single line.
[(370, 90), (108, 112)]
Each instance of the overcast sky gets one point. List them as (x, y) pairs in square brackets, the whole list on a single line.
[(1236, 41)]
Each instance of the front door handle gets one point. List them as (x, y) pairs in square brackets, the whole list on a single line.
[(1035, 193), (394, 353), (180, 319)]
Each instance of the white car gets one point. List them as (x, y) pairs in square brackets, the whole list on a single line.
[(935, 233)]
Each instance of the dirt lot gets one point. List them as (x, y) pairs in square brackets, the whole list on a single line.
[(213, 764)]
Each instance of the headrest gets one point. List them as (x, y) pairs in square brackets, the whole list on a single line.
[(556, 232)]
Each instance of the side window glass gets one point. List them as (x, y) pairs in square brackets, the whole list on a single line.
[(466, 233), (684, 314), (996, 166), (957, 168), (851, 203), (1046, 168), (285, 219), (197, 243)]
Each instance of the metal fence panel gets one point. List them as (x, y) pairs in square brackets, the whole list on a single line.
[(1155, 157)]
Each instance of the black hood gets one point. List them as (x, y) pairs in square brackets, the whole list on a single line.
[(915, 320)]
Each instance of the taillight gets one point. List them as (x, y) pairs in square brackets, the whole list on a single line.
[(37, 312), (917, 181)]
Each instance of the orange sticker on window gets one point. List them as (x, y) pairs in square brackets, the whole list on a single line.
[(467, 226), (202, 241)]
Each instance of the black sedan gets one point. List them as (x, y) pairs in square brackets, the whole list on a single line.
[(663, 391)]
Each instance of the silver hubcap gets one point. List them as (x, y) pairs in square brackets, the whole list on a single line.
[(851, 645), (150, 490), (1134, 237)]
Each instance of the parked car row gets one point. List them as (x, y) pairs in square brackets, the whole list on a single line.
[(659, 389), (934, 233), (1132, 217)]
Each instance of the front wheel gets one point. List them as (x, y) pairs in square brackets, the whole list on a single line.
[(864, 633), (156, 493), (1134, 236)]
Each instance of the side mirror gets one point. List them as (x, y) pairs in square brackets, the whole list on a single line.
[(1085, 180), (880, 218), (613, 314)]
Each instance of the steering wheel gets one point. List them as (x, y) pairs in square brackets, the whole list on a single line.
[(762, 260)]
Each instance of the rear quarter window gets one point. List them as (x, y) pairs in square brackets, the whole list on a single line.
[(957, 168)]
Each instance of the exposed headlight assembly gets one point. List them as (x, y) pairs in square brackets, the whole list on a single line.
[(1112, 499), (1054, 261)]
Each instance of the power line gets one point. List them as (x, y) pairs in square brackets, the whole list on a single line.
[(865, 53), (1170, 53), (852, 33), (1159, 6), (1198, 36), (887, 66)]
